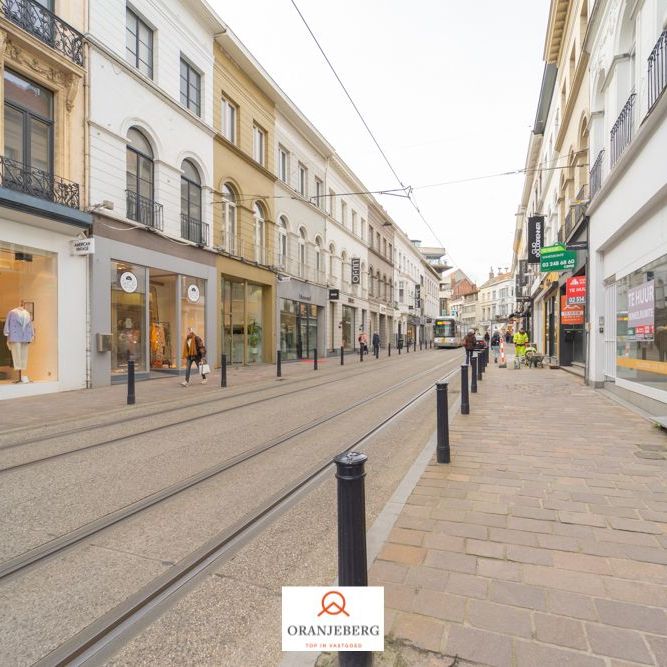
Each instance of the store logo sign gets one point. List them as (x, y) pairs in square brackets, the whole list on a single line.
[(193, 293), (347, 618), (535, 238), (356, 270), (82, 246), (128, 282), (334, 295)]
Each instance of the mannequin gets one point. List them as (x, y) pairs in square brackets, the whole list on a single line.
[(20, 333)]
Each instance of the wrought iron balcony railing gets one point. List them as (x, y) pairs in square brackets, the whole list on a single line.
[(657, 70), (595, 176), (32, 181), (194, 230), (45, 26), (621, 133), (144, 210)]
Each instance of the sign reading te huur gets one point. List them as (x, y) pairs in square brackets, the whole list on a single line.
[(82, 247), (346, 618), (355, 266), (557, 258), (575, 291), (641, 311), (535, 238)]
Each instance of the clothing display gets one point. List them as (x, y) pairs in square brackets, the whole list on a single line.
[(160, 345), (20, 333), (19, 355)]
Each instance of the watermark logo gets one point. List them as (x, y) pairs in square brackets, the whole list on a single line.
[(347, 618)]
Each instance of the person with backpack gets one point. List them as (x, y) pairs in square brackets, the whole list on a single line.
[(495, 345), (194, 351)]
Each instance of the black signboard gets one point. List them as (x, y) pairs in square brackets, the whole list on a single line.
[(577, 245), (334, 295), (356, 270), (418, 293), (523, 271), (535, 238)]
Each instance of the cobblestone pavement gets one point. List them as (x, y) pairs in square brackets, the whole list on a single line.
[(543, 542)]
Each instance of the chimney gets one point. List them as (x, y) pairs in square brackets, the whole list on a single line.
[(490, 273)]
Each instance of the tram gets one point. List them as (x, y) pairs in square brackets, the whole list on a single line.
[(447, 332)]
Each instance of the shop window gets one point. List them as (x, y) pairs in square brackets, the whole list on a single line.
[(641, 326), (28, 136), (298, 329), (193, 307), (165, 346), (255, 321), (29, 300), (128, 317)]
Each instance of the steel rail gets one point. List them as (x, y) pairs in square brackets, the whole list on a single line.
[(62, 542), (82, 648), (153, 429)]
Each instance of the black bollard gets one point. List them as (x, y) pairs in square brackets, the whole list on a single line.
[(342, 355), (131, 398), (465, 398), (420, 345), (377, 351), (389, 349), (407, 348), (414, 349), (223, 371), (399, 349), (279, 365), (352, 560), (473, 379), (442, 450), (361, 352), (480, 368), (314, 359)]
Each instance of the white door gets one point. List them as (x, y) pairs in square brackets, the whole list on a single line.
[(610, 332)]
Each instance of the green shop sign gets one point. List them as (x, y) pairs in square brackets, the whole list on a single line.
[(557, 258)]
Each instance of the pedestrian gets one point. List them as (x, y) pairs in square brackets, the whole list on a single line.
[(469, 343), (508, 338), (520, 341), (194, 351), (487, 337), (376, 343), (363, 342), (495, 345)]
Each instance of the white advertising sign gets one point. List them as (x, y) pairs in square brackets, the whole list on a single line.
[(344, 618), (82, 246), (128, 282), (193, 293)]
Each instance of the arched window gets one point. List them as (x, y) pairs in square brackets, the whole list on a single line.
[(302, 252), (191, 222), (343, 267), (371, 281), (139, 179), (318, 259), (282, 241), (364, 278), (332, 260), (259, 215), (229, 199)]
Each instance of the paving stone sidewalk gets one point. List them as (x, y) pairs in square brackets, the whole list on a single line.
[(543, 542)]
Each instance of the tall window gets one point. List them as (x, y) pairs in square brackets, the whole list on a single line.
[(139, 178), (319, 191), (228, 120), (370, 281), (363, 229), (190, 191), (303, 180), (343, 213), (332, 203), (332, 260), (28, 129), (259, 216), (343, 268), (302, 253), (229, 199), (318, 258), (138, 44), (283, 164), (258, 144), (370, 236), (282, 241), (190, 87)]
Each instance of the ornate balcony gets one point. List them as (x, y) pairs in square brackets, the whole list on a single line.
[(194, 230), (657, 70), (32, 181), (45, 26), (621, 133), (144, 210)]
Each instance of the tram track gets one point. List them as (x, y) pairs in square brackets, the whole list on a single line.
[(101, 638), (58, 544), (151, 416)]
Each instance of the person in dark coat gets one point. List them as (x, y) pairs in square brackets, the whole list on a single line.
[(376, 343), (194, 352), (469, 343)]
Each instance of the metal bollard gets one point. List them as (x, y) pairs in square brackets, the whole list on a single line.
[(420, 345), (473, 379), (315, 359), (414, 349), (223, 371), (342, 355), (131, 398), (361, 352), (389, 349), (399, 349), (407, 348), (465, 398), (279, 365), (377, 352), (352, 560), (442, 450)]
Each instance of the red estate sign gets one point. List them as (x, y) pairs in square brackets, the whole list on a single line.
[(575, 291)]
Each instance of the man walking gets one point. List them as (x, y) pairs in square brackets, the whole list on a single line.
[(376, 344), (469, 343), (520, 342), (495, 345)]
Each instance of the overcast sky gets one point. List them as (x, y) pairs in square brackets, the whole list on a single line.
[(449, 88)]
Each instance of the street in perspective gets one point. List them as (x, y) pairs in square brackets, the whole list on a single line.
[(333, 333)]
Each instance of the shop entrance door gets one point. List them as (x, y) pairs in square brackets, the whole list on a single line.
[(233, 314), (164, 337)]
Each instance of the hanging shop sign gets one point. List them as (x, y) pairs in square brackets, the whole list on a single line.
[(641, 311), (356, 270), (570, 315), (535, 238), (557, 258), (128, 282), (418, 294), (82, 247), (577, 245), (334, 295), (193, 293), (575, 290)]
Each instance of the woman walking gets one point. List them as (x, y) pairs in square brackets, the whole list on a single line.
[(194, 351)]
